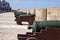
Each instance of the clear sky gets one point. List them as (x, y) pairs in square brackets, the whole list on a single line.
[(34, 4)]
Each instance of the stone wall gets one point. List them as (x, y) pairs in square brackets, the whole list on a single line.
[(10, 32), (40, 14), (32, 11), (22, 11), (53, 14), (45, 13)]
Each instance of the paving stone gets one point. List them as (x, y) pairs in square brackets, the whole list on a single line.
[(8, 27)]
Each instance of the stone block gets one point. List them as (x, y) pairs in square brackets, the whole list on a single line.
[(53, 14), (40, 14)]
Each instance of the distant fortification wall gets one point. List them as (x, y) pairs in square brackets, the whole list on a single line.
[(44, 13), (53, 14)]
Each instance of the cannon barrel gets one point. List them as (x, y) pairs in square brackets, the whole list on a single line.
[(30, 15), (38, 25), (22, 14), (19, 13)]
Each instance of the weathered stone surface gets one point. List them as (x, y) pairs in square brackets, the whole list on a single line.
[(10, 33), (40, 14), (8, 27), (7, 18), (22, 11), (28, 11), (32, 11), (53, 14)]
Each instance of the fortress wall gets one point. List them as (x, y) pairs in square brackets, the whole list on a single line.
[(40, 14), (28, 11), (53, 13), (47, 14), (44, 13), (32, 11), (22, 11), (25, 11)]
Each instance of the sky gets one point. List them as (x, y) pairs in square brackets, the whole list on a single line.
[(33, 4)]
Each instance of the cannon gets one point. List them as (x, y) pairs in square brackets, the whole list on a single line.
[(24, 17), (38, 25), (52, 33)]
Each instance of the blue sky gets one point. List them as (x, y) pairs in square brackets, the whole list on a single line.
[(33, 4)]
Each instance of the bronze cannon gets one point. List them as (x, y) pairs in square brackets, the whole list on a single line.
[(38, 25), (24, 17)]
